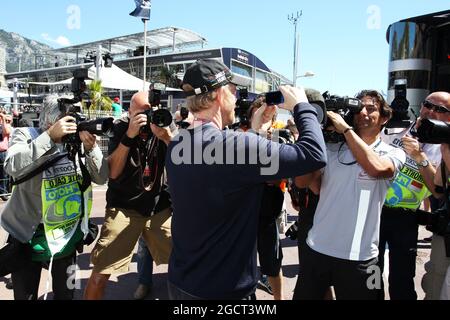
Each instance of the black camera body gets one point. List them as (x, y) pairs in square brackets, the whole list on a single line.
[(78, 83), (400, 106), (437, 222), (161, 118), (274, 98), (292, 232), (433, 132), (100, 126), (284, 136), (243, 104), (344, 106), (154, 98)]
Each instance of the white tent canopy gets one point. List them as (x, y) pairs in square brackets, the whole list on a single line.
[(112, 78), (5, 94)]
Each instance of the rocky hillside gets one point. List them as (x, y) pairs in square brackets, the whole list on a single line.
[(21, 50)]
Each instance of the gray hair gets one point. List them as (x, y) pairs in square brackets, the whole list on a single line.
[(50, 112)]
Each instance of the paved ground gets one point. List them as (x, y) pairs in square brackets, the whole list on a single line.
[(123, 286)]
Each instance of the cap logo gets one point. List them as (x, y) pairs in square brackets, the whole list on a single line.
[(221, 77)]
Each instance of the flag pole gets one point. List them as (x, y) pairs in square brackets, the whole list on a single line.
[(145, 54)]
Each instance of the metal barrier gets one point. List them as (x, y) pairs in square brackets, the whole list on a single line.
[(103, 141)]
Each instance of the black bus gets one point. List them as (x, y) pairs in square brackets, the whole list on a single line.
[(420, 53)]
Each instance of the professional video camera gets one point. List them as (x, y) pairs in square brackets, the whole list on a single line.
[(400, 105), (79, 84), (433, 132), (344, 106), (243, 104)]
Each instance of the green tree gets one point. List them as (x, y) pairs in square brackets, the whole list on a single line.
[(99, 101), (167, 76)]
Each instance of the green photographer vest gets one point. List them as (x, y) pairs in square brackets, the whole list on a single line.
[(408, 189), (63, 225)]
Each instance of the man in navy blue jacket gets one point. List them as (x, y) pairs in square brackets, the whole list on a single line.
[(216, 180)]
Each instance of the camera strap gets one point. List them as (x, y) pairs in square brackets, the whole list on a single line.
[(39, 170), (83, 186)]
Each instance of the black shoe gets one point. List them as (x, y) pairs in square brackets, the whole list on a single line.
[(428, 239), (9, 284), (264, 284)]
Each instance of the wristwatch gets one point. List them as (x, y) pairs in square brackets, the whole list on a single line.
[(423, 164)]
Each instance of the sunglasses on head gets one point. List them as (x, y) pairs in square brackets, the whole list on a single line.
[(437, 108)]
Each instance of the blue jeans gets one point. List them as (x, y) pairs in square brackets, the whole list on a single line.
[(144, 264)]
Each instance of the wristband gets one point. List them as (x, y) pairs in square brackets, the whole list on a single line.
[(348, 129), (127, 141)]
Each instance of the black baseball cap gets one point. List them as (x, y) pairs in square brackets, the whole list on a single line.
[(206, 75)]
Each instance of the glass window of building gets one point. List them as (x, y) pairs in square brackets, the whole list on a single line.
[(241, 69), (262, 82)]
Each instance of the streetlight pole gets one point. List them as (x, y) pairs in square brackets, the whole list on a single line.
[(295, 20)]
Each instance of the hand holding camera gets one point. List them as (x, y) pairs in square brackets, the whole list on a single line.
[(89, 140), (292, 97), (262, 119), (163, 134), (62, 128), (136, 123), (412, 147), (339, 124)]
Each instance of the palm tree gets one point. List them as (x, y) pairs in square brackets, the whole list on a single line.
[(167, 76), (99, 101)]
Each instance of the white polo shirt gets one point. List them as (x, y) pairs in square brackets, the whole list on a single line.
[(347, 219)]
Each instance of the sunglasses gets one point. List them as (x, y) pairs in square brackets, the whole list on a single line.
[(436, 108)]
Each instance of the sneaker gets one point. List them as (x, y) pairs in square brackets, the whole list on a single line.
[(141, 292), (263, 282)]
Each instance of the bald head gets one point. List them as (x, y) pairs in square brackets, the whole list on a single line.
[(139, 103), (440, 99)]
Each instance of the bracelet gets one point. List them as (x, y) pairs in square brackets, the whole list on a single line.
[(90, 152), (127, 141), (348, 129)]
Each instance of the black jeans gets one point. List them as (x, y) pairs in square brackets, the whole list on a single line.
[(399, 230), (26, 279), (319, 272), (177, 294)]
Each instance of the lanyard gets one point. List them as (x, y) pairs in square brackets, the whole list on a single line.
[(354, 162)]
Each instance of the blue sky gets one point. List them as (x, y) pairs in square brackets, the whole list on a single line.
[(343, 42)]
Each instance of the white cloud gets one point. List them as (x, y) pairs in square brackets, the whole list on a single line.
[(61, 40)]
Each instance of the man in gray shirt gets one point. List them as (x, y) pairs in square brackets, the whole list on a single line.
[(45, 215)]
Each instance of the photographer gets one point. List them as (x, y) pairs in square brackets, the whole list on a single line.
[(5, 133), (137, 202), (269, 246), (342, 245), (434, 281), (217, 201), (45, 216), (399, 220)]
